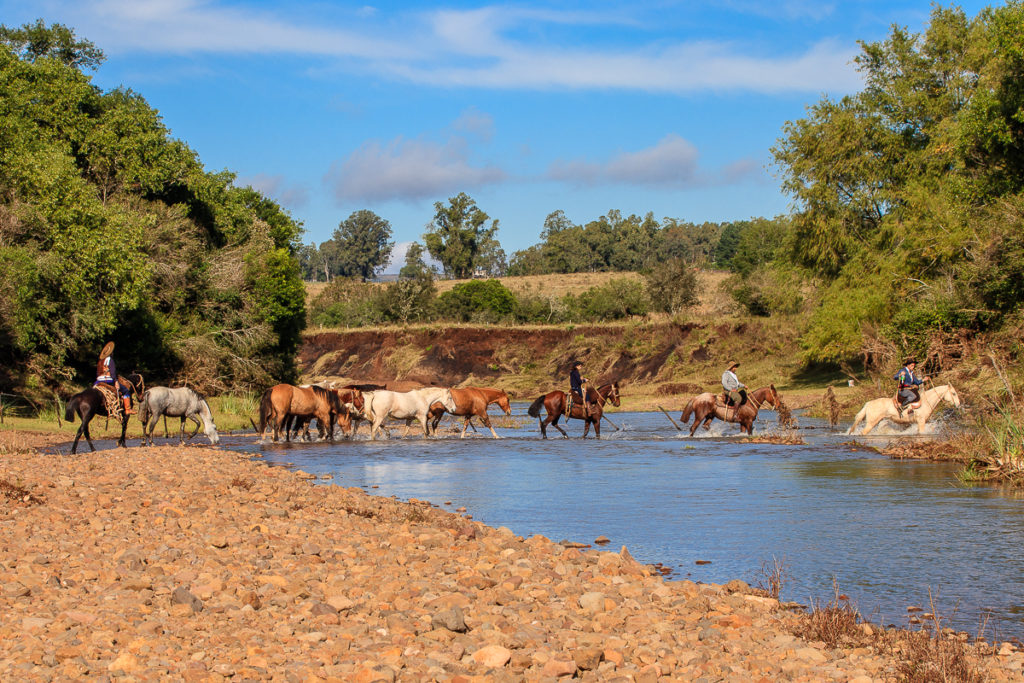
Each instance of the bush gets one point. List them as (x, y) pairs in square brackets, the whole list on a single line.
[(769, 291), (407, 300), (673, 286), (619, 298), (346, 302), (477, 300)]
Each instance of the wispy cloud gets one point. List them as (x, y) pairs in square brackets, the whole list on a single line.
[(673, 162), (408, 170), (483, 47), (289, 195)]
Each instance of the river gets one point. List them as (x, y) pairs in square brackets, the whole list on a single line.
[(887, 532)]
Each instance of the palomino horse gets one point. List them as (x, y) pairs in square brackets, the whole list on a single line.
[(89, 403), (379, 405), (183, 402), (880, 409), (472, 402), (706, 407), (284, 400), (555, 402)]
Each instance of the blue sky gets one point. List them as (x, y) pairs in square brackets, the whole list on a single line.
[(529, 107)]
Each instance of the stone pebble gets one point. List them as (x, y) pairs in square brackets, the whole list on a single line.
[(200, 564)]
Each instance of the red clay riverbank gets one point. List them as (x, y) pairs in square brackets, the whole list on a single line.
[(200, 564)]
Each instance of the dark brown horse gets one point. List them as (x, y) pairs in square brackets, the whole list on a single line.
[(282, 401), (472, 402), (91, 402), (555, 404), (707, 406)]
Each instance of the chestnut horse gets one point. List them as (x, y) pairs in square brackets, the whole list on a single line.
[(351, 401), (472, 402), (707, 406), (284, 400), (555, 402), (89, 403)]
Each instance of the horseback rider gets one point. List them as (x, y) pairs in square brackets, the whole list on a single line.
[(577, 386), (907, 391), (106, 373), (735, 391)]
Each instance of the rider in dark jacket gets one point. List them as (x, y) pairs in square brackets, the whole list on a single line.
[(576, 386), (106, 373), (907, 391)]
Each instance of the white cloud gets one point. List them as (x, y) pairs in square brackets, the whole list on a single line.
[(275, 186), (471, 48), (670, 163), (408, 170), (476, 123)]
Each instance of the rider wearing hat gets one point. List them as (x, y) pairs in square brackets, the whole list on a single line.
[(106, 373), (576, 386), (735, 391), (907, 390)]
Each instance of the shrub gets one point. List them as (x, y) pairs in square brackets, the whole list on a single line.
[(617, 299), (673, 286), (769, 291), (407, 300), (346, 302), (478, 300)]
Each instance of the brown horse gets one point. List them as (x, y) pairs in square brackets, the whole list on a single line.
[(472, 402), (555, 403), (707, 406), (91, 402), (284, 400), (352, 404)]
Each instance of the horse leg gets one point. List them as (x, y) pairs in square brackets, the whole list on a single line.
[(555, 424), (181, 432), (124, 430), (487, 422), (88, 436), (871, 424), (166, 433), (78, 435), (543, 428), (597, 426), (586, 428), (198, 425)]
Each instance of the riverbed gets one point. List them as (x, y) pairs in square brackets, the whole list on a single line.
[(890, 534)]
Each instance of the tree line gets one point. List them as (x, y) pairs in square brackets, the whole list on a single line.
[(110, 229)]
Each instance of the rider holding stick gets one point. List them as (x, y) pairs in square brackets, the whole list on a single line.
[(907, 391), (106, 373)]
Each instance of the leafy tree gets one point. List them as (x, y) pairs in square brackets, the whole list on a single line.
[(482, 300), (414, 266), (457, 235), (34, 41), (364, 246), (673, 286)]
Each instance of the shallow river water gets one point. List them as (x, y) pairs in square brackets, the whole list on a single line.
[(886, 531)]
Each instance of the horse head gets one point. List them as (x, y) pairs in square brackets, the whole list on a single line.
[(774, 395), (137, 383), (952, 396), (448, 401), (504, 404), (613, 393)]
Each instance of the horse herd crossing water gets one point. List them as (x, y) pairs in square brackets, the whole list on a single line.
[(286, 409)]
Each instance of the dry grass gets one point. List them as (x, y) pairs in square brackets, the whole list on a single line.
[(773, 577), (837, 623), (783, 439), (16, 493)]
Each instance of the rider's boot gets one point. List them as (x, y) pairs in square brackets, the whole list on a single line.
[(127, 405)]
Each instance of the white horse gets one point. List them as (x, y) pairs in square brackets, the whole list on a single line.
[(879, 409), (379, 405), (182, 402)]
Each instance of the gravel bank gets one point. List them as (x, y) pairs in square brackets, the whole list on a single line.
[(199, 564)]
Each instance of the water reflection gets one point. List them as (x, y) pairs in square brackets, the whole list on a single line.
[(886, 530)]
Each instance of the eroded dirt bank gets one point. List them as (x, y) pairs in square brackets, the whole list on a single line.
[(199, 564), (657, 357)]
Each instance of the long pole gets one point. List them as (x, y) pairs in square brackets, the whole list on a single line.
[(610, 422), (678, 428)]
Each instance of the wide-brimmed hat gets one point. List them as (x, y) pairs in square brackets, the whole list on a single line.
[(733, 364), (575, 363), (910, 361), (108, 349)]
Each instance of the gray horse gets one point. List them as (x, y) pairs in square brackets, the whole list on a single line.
[(182, 402)]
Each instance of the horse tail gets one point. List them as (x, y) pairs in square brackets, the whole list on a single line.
[(687, 411), (70, 409), (857, 420), (144, 408), (534, 409), (266, 409)]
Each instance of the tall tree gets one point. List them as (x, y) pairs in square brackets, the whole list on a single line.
[(364, 244), (457, 235), (414, 266), (32, 41)]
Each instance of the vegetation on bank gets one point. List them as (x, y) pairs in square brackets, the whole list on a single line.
[(110, 229)]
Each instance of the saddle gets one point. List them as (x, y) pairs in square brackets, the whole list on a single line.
[(111, 400)]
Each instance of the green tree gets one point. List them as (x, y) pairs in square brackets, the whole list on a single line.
[(364, 244), (414, 266), (56, 41), (457, 234)]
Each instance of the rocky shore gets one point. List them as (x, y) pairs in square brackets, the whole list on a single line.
[(201, 564)]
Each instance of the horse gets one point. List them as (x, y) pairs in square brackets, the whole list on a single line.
[(183, 402), (352, 402), (878, 409), (472, 402), (555, 403), (379, 405), (281, 401), (91, 402), (706, 407)]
